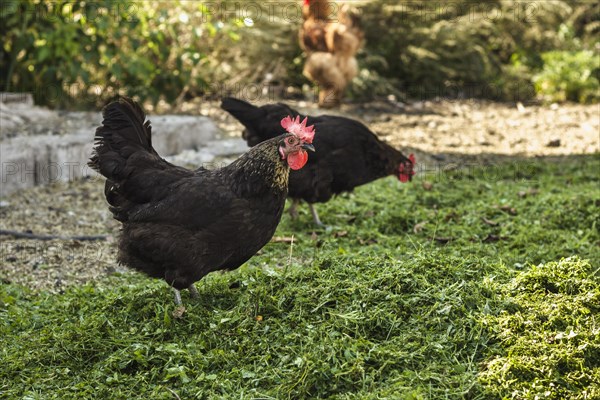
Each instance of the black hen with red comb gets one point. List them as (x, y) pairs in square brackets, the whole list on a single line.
[(348, 153), (178, 224)]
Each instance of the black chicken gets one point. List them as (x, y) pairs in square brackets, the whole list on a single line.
[(349, 154), (179, 224)]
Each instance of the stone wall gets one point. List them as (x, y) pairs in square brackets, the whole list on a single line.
[(33, 151)]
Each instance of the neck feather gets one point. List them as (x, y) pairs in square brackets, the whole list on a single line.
[(261, 169)]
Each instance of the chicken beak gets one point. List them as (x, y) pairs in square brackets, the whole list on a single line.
[(308, 146)]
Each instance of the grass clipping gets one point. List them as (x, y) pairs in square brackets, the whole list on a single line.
[(421, 291), (548, 334)]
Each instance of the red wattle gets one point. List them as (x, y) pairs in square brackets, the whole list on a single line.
[(297, 159)]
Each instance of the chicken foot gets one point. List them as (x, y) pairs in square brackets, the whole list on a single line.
[(179, 309)]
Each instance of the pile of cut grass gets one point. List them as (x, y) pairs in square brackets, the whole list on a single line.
[(482, 285), (548, 333)]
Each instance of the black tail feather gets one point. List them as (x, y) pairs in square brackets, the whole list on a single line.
[(261, 123), (241, 110), (124, 131), (250, 116)]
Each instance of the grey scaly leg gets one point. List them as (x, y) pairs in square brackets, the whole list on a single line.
[(193, 292), (292, 210), (177, 296), (313, 211)]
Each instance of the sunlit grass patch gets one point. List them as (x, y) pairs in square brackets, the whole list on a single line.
[(548, 334), (476, 286)]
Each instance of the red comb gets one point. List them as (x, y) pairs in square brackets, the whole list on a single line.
[(295, 127)]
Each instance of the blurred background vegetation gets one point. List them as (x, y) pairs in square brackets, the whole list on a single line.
[(80, 54)]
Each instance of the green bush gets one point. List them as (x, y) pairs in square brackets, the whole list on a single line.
[(84, 53), (65, 51), (472, 49), (569, 76)]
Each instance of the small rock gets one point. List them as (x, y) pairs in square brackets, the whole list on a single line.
[(587, 127), (528, 192)]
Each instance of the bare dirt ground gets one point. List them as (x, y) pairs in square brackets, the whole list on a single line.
[(469, 127), (437, 132)]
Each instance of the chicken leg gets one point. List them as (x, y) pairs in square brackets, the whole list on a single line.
[(293, 208), (193, 292), (179, 309), (315, 215), (177, 294)]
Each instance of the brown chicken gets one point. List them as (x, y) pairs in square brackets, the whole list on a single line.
[(179, 224), (330, 37)]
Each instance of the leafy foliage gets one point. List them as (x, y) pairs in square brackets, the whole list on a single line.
[(370, 308), (569, 76), (81, 53), (467, 48), (63, 50)]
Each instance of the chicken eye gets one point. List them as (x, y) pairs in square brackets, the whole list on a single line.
[(291, 140)]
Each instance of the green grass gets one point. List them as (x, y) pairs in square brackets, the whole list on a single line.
[(496, 295)]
